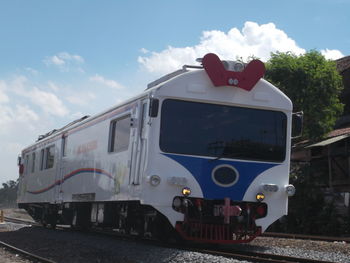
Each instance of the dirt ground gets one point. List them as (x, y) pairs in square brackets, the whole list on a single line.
[(16, 213), (8, 256)]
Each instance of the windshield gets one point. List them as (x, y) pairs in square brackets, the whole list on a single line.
[(222, 131)]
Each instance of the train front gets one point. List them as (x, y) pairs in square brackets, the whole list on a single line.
[(223, 156)]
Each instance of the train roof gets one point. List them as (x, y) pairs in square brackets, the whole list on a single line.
[(56, 133), (151, 87), (80, 121)]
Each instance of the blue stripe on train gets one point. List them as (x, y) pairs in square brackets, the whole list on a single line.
[(202, 168)]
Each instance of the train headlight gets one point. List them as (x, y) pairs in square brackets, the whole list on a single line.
[(186, 191), (154, 180), (260, 197), (177, 202), (290, 190)]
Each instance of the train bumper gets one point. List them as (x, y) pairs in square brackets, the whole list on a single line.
[(218, 221)]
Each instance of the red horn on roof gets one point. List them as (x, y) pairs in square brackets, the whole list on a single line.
[(246, 79)]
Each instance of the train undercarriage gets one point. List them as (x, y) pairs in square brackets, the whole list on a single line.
[(126, 218), (206, 221)]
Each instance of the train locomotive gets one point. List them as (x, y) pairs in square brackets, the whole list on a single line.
[(203, 152)]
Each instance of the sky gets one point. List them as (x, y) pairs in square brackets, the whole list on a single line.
[(61, 60)]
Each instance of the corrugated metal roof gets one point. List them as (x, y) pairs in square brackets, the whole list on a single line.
[(338, 132), (343, 63), (329, 141)]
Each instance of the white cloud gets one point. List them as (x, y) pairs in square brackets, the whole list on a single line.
[(253, 40), (53, 86), (107, 82), (332, 54), (13, 147), (81, 99), (32, 71), (144, 51), (3, 96), (48, 102), (19, 127), (68, 57), (18, 84), (19, 116), (65, 62), (55, 60), (6, 116), (24, 114), (14, 114)]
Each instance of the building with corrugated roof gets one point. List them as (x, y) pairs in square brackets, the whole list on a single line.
[(329, 159)]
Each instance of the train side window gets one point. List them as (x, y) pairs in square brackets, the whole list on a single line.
[(42, 159), (50, 156), (144, 118), (33, 162), (64, 145), (119, 134), (26, 164)]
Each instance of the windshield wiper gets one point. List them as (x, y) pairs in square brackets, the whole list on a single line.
[(228, 155)]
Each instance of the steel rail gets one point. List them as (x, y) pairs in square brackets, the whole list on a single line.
[(266, 234), (19, 221), (307, 237), (26, 254), (260, 257)]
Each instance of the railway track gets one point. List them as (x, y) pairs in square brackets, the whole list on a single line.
[(19, 221), (307, 237), (25, 254), (228, 253), (260, 257)]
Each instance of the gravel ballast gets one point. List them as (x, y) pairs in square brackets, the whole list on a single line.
[(320, 250), (68, 246)]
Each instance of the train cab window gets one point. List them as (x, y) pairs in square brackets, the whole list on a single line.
[(33, 162), (119, 134), (223, 131), (50, 156)]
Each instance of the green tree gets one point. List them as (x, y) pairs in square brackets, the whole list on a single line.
[(313, 84), (8, 194)]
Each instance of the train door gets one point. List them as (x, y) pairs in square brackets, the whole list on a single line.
[(121, 141), (139, 143), (61, 169)]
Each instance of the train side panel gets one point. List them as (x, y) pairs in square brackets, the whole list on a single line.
[(89, 165), (36, 184)]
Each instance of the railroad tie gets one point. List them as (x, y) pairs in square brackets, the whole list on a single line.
[(1, 216)]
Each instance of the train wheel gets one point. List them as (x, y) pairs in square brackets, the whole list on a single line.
[(53, 221), (43, 219), (81, 216), (73, 224), (163, 231), (53, 225)]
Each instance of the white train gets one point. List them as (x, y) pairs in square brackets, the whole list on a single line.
[(203, 150)]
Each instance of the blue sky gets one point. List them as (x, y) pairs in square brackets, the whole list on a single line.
[(60, 60)]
